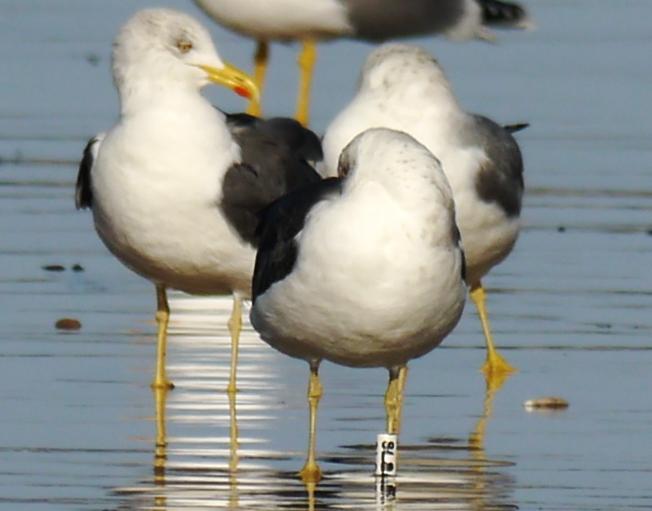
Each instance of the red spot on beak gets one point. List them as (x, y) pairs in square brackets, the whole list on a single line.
[(241, 91)]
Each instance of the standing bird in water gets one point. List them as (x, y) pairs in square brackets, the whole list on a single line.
[(175, 186), (403, 88), (365, 270), (310, 21)]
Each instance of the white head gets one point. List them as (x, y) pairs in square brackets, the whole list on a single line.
[(162, 49), (394, 159), (405, 71)]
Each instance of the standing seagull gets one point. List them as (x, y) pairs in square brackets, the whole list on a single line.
[(365, 270), (402, 87), (175, 186), (371, 20)]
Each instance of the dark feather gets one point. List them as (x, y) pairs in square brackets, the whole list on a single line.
[(501, 178), (513, 128), (299, 139), (275, 156), (377, 21), (502, 14), (83, 192), (380, 21), (279, 225)]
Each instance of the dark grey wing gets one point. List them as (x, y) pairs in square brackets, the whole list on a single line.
[(274, 161), (503, 14), (380, 20), (279, 225), (83, 192), (501, 179)]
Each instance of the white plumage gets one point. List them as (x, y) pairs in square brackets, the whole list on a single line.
[(280, 19)]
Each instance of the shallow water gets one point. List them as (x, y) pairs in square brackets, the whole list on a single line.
[(570, 307)]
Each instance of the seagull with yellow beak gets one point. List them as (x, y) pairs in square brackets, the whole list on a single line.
[(176, 185)]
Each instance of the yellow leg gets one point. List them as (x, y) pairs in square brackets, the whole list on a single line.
[(235, 325), (495, 366), (402, 381), (261, 57), (311, 473), (160, 448), (307, 59), (394, 398), (162, 320)]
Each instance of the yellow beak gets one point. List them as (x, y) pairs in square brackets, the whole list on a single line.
[(233, 78)]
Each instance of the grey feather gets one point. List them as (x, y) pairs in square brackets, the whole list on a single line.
[(501, 179)]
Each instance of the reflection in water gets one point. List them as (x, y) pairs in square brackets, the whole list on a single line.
[(230, 472), (161, 443)]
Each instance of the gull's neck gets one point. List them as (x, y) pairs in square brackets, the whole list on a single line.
[(142, 95), (427, 99), (176, 117)]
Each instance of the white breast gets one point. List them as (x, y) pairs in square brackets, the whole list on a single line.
[(280, 19), (371, 286), (157, 187)]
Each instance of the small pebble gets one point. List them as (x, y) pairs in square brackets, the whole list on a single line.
[(54, 267), (68, 324), (546, 403), (561, 228), (77, 267)]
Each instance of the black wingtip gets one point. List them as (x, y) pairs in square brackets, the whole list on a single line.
[(503, 14), (83, 193), (513, 128)]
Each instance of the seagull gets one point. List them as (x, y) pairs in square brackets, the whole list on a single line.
[(368, 20), (365, 269), (404, 88), (175, 186)]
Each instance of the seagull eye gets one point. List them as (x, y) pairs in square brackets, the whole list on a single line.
[(184, 45)]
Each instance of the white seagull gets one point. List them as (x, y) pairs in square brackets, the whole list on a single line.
[(175, 186), (404, 88), (371, 20), (365, 270)]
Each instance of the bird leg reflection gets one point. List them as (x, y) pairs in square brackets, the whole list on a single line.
[(394, 398), (476, 438), (310, 488), (162, 320), (311, 473), (477, 444), (235, 326), (261, 57), (495, 365), (233, 454), (160, 447), (307, 60)]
